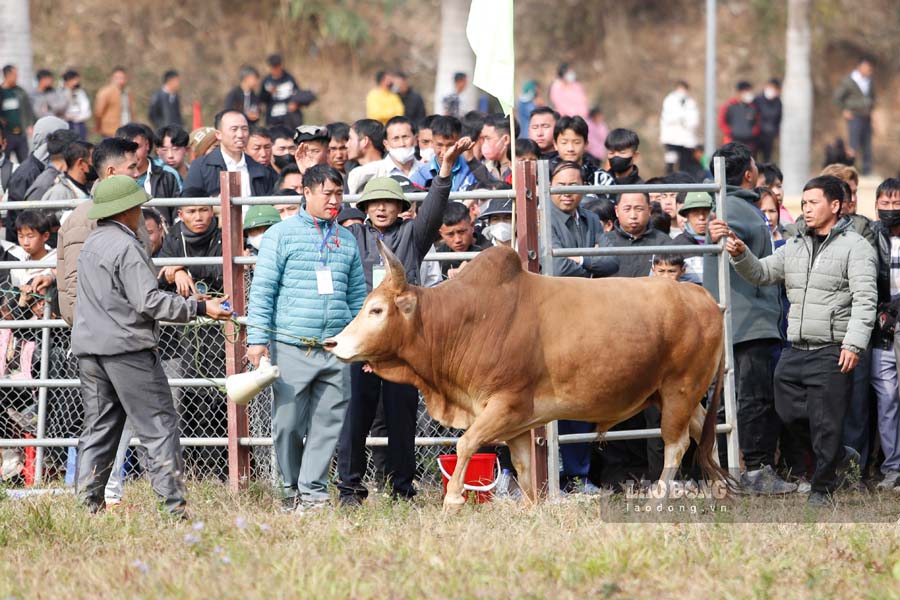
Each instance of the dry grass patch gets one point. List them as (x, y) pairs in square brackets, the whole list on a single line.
[(240, 546)]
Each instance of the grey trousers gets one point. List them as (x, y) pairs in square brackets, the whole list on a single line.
[(133, 386), (884, 380), (309, 401), (115, 487)]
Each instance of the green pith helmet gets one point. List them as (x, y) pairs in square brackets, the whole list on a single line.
[(383, 188), (261, 215), (116, 195), (695, 200)]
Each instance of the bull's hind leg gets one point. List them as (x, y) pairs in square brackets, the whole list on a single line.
[(697, 431), (496, 422), (520, 451), (677, 414)]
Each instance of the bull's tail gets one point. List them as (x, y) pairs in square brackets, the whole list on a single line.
[(707, 451)]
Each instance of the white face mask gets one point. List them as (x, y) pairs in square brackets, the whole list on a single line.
[(499, 232), (570, 76), (427, 154), (255, 240), (403, 155), (769, 93), (747, 97)]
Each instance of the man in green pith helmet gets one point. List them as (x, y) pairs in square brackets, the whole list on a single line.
[(257, 220), (115, 337)]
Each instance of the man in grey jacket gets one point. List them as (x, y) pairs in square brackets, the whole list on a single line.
[(115, 338), (756, 314), (830, 277)]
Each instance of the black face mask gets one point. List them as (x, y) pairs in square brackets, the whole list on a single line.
[(282, 161), (91, 176), (890, 218), (620, 164)]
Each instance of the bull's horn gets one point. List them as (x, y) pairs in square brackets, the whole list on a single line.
[(396, 274)]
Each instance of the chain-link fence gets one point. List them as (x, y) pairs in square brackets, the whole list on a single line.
[(192, 351)]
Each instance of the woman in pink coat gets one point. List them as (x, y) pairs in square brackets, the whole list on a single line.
[(567, 95)]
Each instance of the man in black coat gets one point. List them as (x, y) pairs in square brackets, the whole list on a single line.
[(413, 105), (233, 132), (243, 97), (769, 105), (277, 89), (410, 239), (165, 105)]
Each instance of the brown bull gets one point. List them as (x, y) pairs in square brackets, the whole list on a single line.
[(498, 351)]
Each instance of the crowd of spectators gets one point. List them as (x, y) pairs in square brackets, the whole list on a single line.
[(397, 148)]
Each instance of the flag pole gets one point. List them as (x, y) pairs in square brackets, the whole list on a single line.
[(512, 127), (512, 164)]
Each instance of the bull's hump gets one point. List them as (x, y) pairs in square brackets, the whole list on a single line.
[(498, 264)]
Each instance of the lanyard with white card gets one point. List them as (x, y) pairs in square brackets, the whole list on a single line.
[(324, 281)]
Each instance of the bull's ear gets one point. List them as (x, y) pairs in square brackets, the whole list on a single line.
[(407, 302), (395, 276)]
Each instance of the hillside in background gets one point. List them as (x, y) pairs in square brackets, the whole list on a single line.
[(627, 52)]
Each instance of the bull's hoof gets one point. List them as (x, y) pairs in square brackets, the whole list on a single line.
[(452, 503), (659, 490)]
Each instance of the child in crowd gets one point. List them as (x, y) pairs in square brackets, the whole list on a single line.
[(669, 266), (622, 152), (527, 150), (33, 231), (570, 138)]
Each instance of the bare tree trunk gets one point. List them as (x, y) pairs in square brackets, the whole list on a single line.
[(455, 55), (796, 125), (15, 39)]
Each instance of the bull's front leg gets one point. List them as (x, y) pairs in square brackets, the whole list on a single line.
[(465, 448), (495, 422)]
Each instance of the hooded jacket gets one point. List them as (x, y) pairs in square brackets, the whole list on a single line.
[(31, 167), (755, 308)]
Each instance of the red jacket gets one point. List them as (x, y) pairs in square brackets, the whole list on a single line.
[(739, 122)]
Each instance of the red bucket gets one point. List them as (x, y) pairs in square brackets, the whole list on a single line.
[(479, 479), (30, 458)]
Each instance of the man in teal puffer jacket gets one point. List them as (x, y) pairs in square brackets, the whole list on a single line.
[(308, 284), (829, 272)]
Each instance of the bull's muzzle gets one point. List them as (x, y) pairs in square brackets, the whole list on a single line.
[(329, 344)]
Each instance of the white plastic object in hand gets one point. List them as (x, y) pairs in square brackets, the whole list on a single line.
[(241, 388)]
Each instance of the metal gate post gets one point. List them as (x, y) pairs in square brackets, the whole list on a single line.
[(546, 246), (235, 338), (42, 399), (527, 246), (731, 438)]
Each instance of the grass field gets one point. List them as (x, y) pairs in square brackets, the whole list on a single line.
[(239, 546)]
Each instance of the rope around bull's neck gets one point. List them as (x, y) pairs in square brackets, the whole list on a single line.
[(193, 329)]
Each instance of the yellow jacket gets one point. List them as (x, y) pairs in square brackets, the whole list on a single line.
[(382, 105)]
